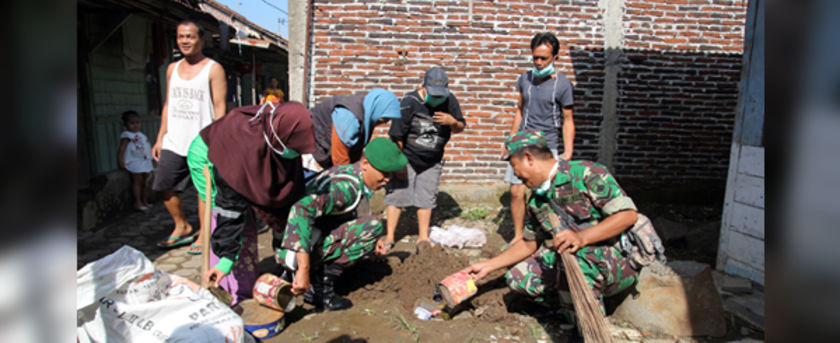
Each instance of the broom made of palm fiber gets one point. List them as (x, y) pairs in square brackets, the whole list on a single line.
[(591, 322)]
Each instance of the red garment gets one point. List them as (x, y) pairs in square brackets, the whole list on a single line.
[(237, 147)]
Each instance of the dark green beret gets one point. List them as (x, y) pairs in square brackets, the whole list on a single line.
[(385, 155)]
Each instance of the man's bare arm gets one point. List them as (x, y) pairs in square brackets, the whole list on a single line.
[(218, 90), (517, 119), (517, 116), (568, 133)]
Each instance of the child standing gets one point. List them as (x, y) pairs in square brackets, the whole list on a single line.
[(135, 156)]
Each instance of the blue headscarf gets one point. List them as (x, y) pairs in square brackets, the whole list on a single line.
[(379, 103)]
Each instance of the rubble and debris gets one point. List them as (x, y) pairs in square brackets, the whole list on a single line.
[(679, 304)]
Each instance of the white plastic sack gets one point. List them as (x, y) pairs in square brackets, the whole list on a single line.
[(459, 237), (123, 298)]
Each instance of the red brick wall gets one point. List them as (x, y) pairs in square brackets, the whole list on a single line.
[(677, 86)]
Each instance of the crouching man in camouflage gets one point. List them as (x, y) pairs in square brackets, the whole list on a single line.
[(598, 215), (331, 227)]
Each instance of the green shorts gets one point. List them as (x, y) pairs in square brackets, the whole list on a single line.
[(196, 160)]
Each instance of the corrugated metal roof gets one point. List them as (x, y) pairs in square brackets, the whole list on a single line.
[(259, 43), (240, 23)]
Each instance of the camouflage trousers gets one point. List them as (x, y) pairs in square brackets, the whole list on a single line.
[(344, 245), (604, 267)]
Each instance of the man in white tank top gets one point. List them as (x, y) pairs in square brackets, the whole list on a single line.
[(195, 97)]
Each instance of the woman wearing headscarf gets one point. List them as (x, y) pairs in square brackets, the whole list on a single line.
[(254, 152), (344, 124)]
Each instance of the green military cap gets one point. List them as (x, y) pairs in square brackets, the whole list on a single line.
[(521, 140), (385, 155)]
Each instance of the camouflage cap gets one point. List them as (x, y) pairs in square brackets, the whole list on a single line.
[(523, 139)]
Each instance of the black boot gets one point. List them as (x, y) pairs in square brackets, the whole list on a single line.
[(315, 294), (332, 301)]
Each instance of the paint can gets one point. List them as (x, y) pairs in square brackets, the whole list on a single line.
[(274, 292), (262, 322), (457, 288)]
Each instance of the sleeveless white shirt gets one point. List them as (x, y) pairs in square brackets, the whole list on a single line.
[(190, 109)]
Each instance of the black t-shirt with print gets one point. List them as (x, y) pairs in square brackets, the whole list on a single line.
[(423, 140)]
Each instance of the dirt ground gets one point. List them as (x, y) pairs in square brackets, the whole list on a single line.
[(386, 290)]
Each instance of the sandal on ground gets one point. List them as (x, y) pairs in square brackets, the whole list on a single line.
[(389, 247), (194, 249), (176, 241)]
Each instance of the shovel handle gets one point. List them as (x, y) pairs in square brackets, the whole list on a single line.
[(205, 226)]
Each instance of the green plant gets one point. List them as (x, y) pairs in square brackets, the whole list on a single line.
[(498, 220), (411, 327), (309, 338), (475, 214), (534, 331)]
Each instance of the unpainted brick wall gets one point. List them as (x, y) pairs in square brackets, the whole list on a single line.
[(680, 67)]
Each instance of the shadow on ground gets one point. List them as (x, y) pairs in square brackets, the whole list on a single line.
[(447, 208), (504, 219)]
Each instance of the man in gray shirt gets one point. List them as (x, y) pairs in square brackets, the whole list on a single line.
[(545, 104)]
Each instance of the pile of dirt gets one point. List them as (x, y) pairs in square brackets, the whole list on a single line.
[(414, 275), (407, 276)]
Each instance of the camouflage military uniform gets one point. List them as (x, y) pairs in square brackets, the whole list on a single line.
[(336, 204), (588, 193)]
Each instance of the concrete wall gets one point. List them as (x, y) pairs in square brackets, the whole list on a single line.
[(655, 82), (298, 52)]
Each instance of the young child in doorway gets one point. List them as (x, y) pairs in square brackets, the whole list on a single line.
[(135, 156)]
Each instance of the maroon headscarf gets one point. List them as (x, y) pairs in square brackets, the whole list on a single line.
[(237, 147)]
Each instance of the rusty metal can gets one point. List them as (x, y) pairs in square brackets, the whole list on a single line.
[(457, 288), (274, 292)]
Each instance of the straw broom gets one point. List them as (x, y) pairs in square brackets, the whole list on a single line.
[(591, 322)]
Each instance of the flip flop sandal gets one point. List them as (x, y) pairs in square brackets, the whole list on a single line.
[(389, 246), (176, 242), (195, 249)]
